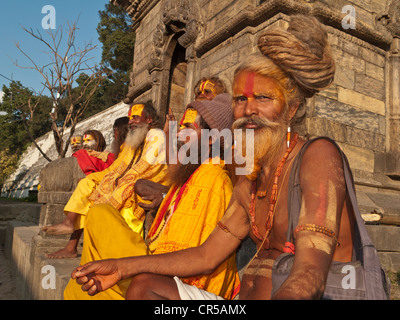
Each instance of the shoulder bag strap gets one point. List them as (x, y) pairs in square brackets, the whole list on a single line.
[(294, 195), (364, 249)]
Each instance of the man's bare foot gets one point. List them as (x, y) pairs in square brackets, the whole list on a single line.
[(63, 253), (61, 228)]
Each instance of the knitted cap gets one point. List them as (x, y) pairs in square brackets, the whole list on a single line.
[(217, 113)]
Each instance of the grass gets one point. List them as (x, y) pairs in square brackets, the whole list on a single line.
[(394, 278), (30, 198)]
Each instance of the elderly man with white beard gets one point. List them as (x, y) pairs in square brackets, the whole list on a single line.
[(197, 199), (269, 89), (141, 156)]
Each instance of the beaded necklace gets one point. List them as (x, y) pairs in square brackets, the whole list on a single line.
[(273, 197), (166, 212)]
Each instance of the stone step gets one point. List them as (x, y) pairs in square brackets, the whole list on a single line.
[(40, 278), (385, 238), (387, 241), (36, 277)]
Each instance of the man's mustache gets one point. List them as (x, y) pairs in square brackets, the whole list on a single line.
[(135, 126), (259, 122)]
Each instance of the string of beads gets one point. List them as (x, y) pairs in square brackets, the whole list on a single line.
[(316, 228), (274, 194)]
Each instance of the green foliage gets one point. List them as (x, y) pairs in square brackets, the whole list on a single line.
[(117, 38), (8, 163), (118, 42), (15, 118), (21, 108), (16, 111), (17, 101)]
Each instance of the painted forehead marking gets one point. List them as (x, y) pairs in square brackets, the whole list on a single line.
[(136, 110), (88, 137), (204, 83), (189, 116), (249, 86)]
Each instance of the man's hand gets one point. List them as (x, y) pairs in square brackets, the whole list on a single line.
[(97, 276), (150, 191), (168, 117)]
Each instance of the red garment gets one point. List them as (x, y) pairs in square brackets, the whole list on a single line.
[(93, 161)]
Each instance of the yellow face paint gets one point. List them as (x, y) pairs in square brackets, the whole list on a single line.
[(87, 138), (136, 110), (189, 117), (88, 141), (207, 85), (75, 141)]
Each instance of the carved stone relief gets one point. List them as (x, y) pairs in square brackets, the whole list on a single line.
[(391, 18), (178, 16)]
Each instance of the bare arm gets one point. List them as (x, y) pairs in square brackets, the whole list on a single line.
[(100, 275), (323, 196), (168, 118)]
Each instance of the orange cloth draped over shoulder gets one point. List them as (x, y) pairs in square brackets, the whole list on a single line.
[(113, 220), (115, 185), (186, 218), (93, 161)]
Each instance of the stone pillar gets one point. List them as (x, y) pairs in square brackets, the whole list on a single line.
[(190, 74), (390, 19), (393, 152), (58, 180), (157, 94)]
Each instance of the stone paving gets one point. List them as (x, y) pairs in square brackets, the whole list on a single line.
[(7, 283)]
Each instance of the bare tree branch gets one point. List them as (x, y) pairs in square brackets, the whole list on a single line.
[(25, 117), (34, 141), (59, 76)]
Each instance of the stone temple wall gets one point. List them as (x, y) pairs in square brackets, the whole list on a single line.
[(180, 41), (361, 110)]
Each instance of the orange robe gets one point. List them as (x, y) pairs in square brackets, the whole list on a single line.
[(110, 213), (131, 164), (186, 218), (93, 161)]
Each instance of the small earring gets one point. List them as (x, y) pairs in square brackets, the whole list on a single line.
[(288, 137)]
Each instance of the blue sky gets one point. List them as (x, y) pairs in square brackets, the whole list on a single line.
[(28, 13)]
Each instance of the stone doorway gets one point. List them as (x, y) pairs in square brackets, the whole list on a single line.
[(177, 82)]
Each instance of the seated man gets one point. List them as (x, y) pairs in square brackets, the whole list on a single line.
[(269, 92), (196, 201), (93, 157), (120, 131), (76, 142), (142, 156), (207, 88), (93, 161)]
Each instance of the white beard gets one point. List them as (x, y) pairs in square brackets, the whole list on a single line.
[(136, 136), (266, 143), (89, 145)]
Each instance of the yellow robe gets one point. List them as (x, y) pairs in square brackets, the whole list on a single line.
[(99, 187), (110, 214), (203, 203), (196, 209), (107, 236)]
